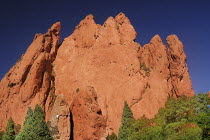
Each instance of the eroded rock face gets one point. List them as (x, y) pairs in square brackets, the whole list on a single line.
[(87, 79), (119, 69), (60, 119), (29, 81), (154, 69), (88, 120), (179, 75)]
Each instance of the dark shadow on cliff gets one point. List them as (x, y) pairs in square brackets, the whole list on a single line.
[(71, 126)]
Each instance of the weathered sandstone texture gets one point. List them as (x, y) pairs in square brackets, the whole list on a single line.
[(83, 82)]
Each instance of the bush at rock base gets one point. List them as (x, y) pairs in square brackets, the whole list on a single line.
[(181, 119)]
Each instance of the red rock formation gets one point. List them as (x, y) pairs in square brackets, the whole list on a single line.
[(106, 65), (209, 94), (180, 78), (60, 118), (154, 69), (29, 81), (89, 123)]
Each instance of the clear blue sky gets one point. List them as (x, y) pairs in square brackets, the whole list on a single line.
[(20, 20)]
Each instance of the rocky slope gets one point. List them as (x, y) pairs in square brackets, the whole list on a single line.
[(83, 82)]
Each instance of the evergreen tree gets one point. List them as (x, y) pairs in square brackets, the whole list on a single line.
[(35, 127), (181, 119), (127, 120), (1, 134), (194, 111), (145, 129), (201, 113), (28, 115), (10, 132), (40, 129), (182, 130), (28, 125)]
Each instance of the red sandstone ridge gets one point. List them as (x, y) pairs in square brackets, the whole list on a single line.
[(86, 79)]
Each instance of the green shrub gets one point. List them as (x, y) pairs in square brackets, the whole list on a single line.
[(182, 131), (17, 128), (144, 67), (182, 119), (193, 110), (145, 129), (113, 136)]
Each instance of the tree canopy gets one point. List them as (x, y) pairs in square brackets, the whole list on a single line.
[(35, 127), (181, 119)]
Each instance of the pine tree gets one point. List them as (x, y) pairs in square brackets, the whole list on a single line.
[(40, 129), (1, 134), (10, 132), (28, 115), (35, 127), (28, 125), (127, 119)]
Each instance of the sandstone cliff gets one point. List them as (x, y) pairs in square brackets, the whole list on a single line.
[(83, 82)]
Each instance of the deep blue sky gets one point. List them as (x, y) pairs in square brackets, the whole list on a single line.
[(20, 20)]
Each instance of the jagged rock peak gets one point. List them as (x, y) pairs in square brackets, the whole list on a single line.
[(110, 22), (116, 30), (121, 18), (120, 28), (156, 39), (89, 19), (175, 47), (172, 40), (127, 31), (56, 27)]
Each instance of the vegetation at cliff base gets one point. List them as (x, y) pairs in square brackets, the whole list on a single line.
[(35, 127), (182, 119), (1, 134), (10, 132), (113, 136)]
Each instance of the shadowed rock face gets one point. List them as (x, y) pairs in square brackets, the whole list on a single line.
[(89, 76)]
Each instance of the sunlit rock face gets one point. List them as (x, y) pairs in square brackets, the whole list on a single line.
[(83, 82)]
